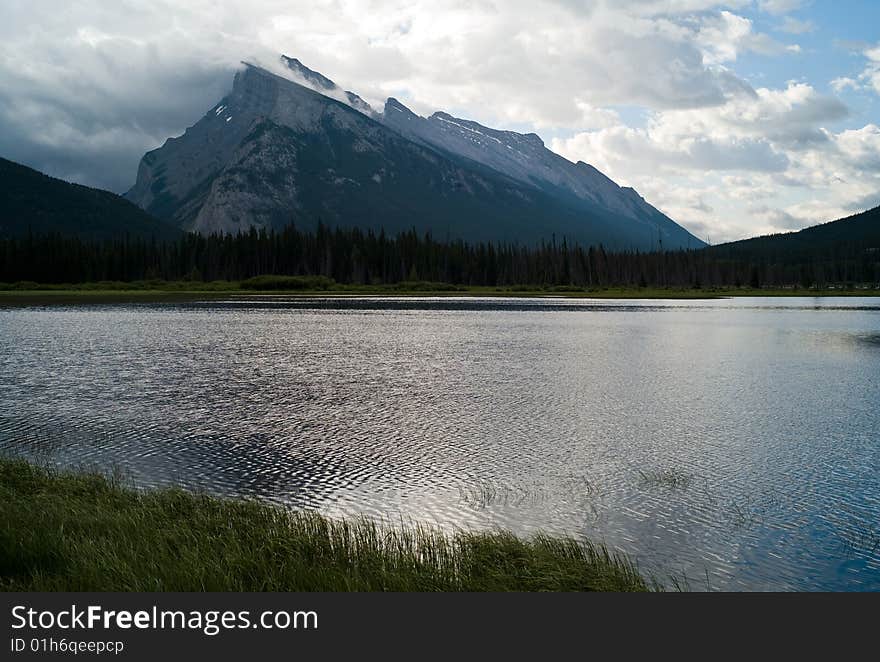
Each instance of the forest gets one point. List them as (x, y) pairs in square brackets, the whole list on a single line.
[(353, 256)]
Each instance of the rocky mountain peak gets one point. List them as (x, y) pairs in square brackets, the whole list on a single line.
[(312, 77), (393, 105), (282, 148), (323, 85)]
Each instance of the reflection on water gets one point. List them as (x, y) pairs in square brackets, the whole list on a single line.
[(737, 438), (868, 338)]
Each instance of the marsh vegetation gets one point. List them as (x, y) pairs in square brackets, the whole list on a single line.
[(85, 532)]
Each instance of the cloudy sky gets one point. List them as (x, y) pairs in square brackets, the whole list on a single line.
[(735, 118)]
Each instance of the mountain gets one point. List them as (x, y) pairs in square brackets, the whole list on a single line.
[(858, 234), (324, 85), (297, 148), (525, 158), (33, 202)]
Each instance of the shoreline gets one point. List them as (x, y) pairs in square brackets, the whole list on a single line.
[(68, 531), (97, 295)]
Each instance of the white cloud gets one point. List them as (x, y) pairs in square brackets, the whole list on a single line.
[(630, 152), (712, 165), (793, 25), (596, 118), (861, 148), (776, 218), (868, 79), (781, 6), (844, 83), (724, 36), (871, 75)]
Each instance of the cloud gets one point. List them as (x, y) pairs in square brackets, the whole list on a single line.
[(596, 118), (869, 78), (726, 35), (861, 148), (778, 218), (844, 83), (652, 150), (781, 6), (87, 87), (775, 147), (83, 89), (747, 133), (792, 25), (871, 74), (143, 70)]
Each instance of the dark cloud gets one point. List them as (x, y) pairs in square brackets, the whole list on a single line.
[(100, 143)]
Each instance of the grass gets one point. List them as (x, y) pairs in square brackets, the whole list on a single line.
[(29, 293), (84, 532)]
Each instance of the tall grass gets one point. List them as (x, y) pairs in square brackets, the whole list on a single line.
[(82, 532)]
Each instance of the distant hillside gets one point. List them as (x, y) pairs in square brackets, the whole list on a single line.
[(839, 253), (847, 237), (33, 202)]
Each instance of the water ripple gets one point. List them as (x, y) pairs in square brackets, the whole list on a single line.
[(731, 441)]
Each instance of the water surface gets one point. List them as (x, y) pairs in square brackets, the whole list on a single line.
[(731, 441)]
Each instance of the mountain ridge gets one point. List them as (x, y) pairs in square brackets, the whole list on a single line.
[(32, 202), (332, 157), (861, 230), (525, 158)]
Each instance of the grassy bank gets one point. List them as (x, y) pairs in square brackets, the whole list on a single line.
[(80, 532), (27, 293)]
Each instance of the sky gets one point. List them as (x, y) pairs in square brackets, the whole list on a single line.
[(735, 118)]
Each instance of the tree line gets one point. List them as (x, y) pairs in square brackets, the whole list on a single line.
[(354, 256)]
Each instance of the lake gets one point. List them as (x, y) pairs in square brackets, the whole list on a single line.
[(733, 442)]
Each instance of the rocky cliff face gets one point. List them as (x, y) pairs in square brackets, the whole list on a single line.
[(275, 151), (228, 172)]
